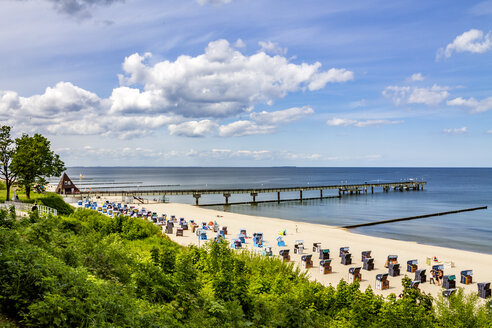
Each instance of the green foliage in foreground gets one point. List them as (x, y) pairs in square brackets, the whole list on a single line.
[(88, 270)]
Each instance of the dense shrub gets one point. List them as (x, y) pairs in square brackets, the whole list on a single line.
[(89, 270), (55, 201)]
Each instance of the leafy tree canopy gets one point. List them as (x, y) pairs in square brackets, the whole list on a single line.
[(33, 161), (7, 149)]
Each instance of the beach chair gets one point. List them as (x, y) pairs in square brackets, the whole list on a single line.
[(354, 275), (366, 255), (285, 254), (391, 259), (258, 239), (382, 281), (324, 254), (325, 266), (185, 226), (99, 208), (368, 264), (316, 247), (236, 244), (225, 230), (343, 250), (449, 281), (415, 284), (179, 232), (243, 232), (203, 235), (242, 238), (466, 277), (394, 269), (438, 267), (306, 261), (412, 266), (280, 241), (484, 289), (218, 238), (299, 247), (267, 251), (420, 275), (79, 203), (346, 259), (448, 292), (181, 221)]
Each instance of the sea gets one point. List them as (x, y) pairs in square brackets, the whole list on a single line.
[(447, 189)]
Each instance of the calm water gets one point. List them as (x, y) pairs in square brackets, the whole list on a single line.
[(446, 189)]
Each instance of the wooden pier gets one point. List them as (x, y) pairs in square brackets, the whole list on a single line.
[(343, 189)]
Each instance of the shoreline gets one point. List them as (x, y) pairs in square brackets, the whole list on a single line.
[(333, 238)]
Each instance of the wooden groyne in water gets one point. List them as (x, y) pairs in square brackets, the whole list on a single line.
[(413, 217), (343, 189)]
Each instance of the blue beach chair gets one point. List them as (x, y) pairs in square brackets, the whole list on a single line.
[(236, 244), (258, 239)]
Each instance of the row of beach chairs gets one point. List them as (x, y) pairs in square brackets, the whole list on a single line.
[(325, 264)]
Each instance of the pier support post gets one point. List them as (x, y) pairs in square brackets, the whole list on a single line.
[(372, 190), (300, 194), (227, 198), (197, 197), (339, 192), (321, 194), (278, 197), (254, 194)]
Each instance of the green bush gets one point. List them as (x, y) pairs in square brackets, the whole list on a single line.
[(56, 202), (90, 270)]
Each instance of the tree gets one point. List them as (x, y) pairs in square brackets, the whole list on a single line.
[(33, 161), (7, 149)]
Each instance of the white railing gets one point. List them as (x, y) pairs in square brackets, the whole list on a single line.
[(24, 207)]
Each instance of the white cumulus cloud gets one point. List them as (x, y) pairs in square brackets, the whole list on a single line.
[(272, 48), (416, 77), (476, 106), (358, 123), (474, 41), (193, 128), (222, 82), (190, 96), (414, 95), (462, 130), (244, 128), (281, 116)]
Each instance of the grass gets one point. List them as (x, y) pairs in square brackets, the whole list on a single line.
[(21, 194)]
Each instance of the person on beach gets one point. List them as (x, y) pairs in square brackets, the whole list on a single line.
[(440, 275)]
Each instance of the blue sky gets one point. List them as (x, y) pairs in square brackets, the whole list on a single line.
[(251, 83)]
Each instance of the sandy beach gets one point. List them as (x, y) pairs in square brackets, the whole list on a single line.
[(333, 238)]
